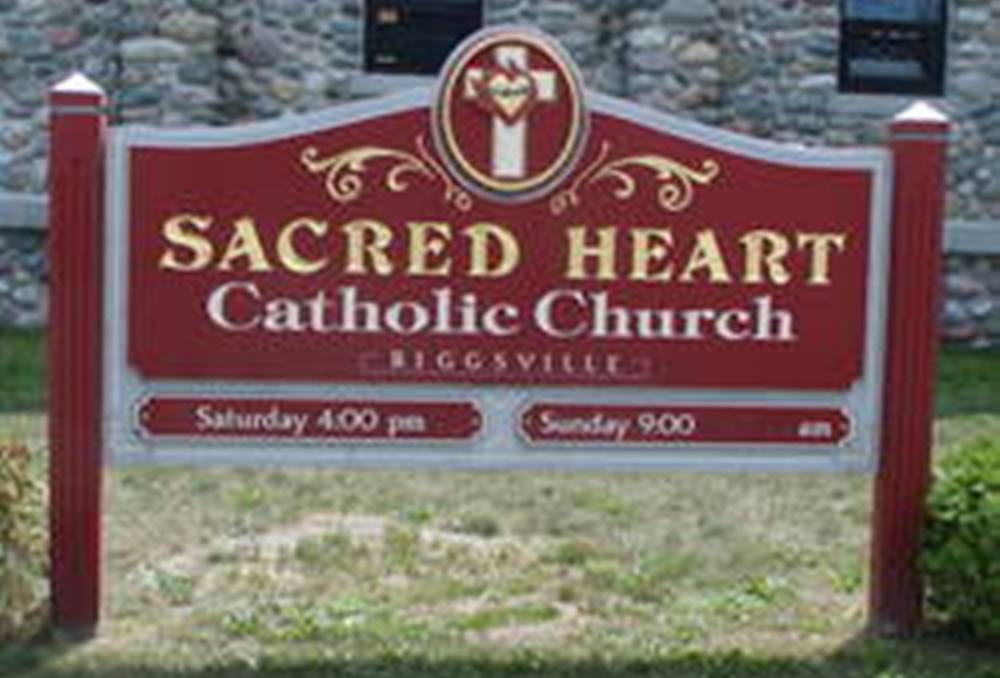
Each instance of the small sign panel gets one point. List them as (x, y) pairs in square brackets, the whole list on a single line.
[(509, 239), (683, 424), (307, 420)]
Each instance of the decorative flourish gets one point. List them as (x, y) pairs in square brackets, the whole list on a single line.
[(676, 180), (344, 182), (563, 200), (453, 195)]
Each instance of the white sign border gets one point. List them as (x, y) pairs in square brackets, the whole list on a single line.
[(500, 446)]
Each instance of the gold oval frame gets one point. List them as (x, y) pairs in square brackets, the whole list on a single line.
[(444, 132)]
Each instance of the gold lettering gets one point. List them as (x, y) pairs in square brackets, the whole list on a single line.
[(650, 246), (763, 248), (176, 233), (427, 239), (307, 245), (480, 236), (367, 241), (245, 243), (290, 257), (819, 246), (706, 255), (579, 252)]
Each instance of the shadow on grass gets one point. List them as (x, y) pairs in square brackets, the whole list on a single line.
[(929, 657), (968, 382), (22, 370)]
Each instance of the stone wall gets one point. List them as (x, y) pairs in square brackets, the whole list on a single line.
[(23, 278), (23, 270), (970, 314), (763, 67)]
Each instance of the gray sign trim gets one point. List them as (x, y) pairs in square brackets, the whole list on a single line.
[(499, 446)]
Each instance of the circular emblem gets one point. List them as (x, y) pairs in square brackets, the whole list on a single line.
[(509, 116)]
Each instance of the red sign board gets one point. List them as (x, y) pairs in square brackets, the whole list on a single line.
[(304, 420), (506, 239), (512, 231), (657, 425)]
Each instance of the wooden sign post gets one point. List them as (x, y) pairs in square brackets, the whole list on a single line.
[(919, 138), (503, 272), (76, 252)]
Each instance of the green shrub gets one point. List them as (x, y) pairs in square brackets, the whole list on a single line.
[(961, 555), (23, 544)]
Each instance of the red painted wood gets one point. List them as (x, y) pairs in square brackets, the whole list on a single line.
[(75, 256), (286, 419), (171, 335), (665, 424), (918, 145)]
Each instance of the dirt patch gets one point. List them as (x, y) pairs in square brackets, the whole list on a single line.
[(369, 529), (569, 622)]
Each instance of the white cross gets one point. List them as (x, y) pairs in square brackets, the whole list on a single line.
[(509, 140)]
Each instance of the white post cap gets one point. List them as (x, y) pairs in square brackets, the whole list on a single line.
[(921, 111), (78, 83)]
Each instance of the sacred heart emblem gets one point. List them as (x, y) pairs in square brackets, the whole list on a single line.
[(509, 119), (507, 92)]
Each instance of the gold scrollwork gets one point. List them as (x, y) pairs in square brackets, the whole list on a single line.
[(677, 181), (563, 200), (344, 170)]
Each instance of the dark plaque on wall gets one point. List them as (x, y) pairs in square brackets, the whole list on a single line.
[(415, 36), (893, 46)]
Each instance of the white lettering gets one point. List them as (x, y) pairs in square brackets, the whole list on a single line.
[(545, 310), (216, 307)]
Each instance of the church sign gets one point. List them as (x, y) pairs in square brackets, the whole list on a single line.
[(502, 271), (503, 241)]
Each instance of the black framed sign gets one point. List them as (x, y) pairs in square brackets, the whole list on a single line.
[(893, 46), (414, 37)]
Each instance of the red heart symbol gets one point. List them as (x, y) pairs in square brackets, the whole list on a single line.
[(507, 92)]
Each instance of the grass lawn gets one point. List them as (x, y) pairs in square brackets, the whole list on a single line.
[(22, 364), (331, 573)]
